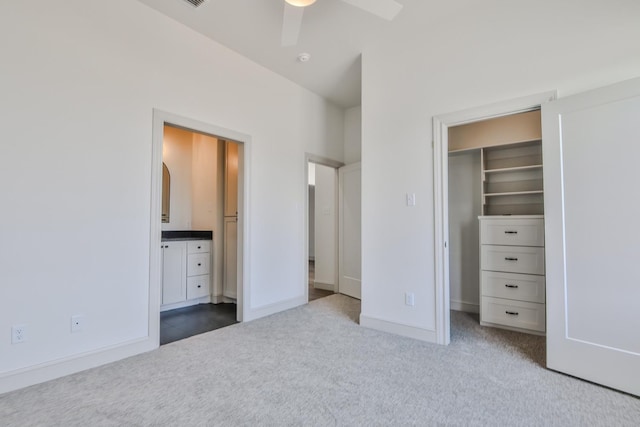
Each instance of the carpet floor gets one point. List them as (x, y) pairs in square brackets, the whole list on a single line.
[(313, 365)]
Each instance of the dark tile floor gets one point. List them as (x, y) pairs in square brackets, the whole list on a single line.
[(188, 321)]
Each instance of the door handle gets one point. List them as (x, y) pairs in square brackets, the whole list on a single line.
[(507, 258)]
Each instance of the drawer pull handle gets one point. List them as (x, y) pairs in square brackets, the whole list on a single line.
[(510, 232), (199, 264), (508, 258), (512, 313), (199, 286), (199, 247), (511, 286)]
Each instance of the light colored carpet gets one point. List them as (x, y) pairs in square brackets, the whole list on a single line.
[(314, 365)]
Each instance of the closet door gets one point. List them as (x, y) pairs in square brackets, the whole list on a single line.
[(591, 147)]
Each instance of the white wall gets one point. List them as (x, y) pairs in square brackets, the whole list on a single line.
[(177, 154), (485, 52), (325, 226), (204, 206), (465, 205), (80, 80), (353, 135)]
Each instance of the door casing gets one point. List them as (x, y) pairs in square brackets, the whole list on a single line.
[(160, 118)]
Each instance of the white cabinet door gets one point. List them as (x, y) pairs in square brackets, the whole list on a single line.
[(174, 274), (591, 175), (350, 255), (230, 267)]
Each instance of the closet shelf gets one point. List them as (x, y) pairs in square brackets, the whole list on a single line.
[(514, 169), (513, 193)]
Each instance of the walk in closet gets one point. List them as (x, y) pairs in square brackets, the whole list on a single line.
[(496, 221)]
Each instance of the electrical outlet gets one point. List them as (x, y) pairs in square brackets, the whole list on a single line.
[(409, 299), (18, 334), (77, 323)]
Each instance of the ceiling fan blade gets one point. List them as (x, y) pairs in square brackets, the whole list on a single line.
[(291, 23), (386, 9)]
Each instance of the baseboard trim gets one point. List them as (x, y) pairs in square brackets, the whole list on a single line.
[(47, 371), (217, 299), (398, 329), (324, 286), (187, 303), (267, 310), (467, 307)]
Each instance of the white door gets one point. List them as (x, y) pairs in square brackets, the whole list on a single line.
[(350, 259), (230, 269), (591, 149), (230, 238)]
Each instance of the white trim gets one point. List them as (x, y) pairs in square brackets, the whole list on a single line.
[(467, 307), (441, 126), (398, 329), (47, 371), (187, 303), (324, 286), (278, 307)]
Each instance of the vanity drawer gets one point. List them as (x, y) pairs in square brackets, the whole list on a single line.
[(513, 259), (516, 314), (199, 246), (523, 287), (197, 264), (198, 286), (514, 232)]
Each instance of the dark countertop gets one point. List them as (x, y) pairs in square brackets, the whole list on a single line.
[(168, 235)]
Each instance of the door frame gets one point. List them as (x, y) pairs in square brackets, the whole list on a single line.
[(441, 125), (334, 164), (160, 118)]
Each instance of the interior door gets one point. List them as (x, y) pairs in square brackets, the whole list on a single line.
[(591, 149), (230, 268), (349, 230)]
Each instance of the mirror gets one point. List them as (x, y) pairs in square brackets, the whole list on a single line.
[(166, 186)]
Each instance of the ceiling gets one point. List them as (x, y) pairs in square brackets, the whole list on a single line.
[(334, 33)]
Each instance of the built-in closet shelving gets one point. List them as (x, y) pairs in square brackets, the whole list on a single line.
[(512, 179), (512, 282)]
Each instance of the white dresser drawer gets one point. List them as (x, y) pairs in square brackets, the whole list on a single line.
[(513, 259), (197, 264), (523, 287), (198, 286), (516, 314), (198, 246), (515, 232)]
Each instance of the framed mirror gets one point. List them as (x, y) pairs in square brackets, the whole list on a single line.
[(166, 187)]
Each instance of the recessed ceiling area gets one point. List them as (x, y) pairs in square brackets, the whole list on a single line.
[(333, 32)]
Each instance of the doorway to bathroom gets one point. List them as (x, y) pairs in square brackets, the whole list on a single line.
[(201, 199)]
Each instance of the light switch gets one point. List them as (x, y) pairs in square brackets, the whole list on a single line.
[(411, 199)]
